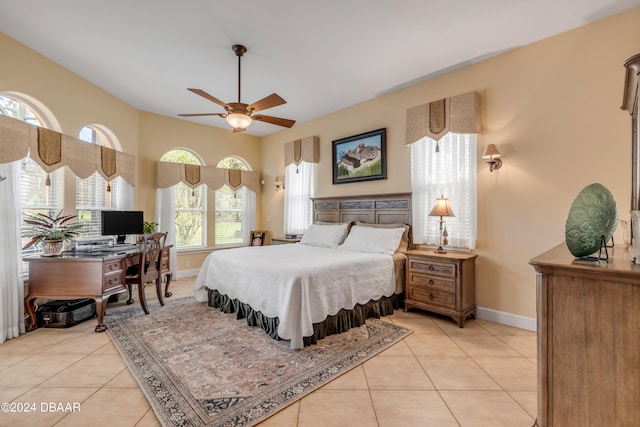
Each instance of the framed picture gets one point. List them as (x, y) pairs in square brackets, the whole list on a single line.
[(360, 157), (257, 237)]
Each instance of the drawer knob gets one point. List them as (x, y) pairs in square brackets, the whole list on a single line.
[(431, 268), (431, 297), (113, 280), (431, 282)]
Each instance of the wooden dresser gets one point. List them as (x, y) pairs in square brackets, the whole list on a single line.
[(442, 283), (588, 340)]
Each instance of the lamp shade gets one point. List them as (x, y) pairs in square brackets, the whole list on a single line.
[(491, 152), (238, 120), (441, 208)]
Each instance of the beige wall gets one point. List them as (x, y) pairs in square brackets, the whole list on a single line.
[(552, 108), (76, 103)]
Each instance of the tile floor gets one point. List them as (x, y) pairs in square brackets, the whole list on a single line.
[(441, 375)]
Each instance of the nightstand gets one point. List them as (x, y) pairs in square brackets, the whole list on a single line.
[(441, 283), (282, 241)]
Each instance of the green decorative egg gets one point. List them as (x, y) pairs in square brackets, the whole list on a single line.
[(593, 215)]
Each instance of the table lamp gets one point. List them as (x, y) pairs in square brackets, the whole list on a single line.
[(441, 208)]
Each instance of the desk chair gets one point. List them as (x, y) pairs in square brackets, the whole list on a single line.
[(148, 268)]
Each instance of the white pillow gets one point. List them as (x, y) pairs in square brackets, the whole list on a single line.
[(325, 235), (373, 240)]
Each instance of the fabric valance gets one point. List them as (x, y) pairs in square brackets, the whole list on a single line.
[(169, 174), (458, 114), (53, 150), (302, 150)]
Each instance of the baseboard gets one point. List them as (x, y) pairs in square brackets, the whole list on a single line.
[(181, 274), (504, 318)]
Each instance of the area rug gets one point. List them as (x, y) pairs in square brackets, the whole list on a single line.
[(198, 366)]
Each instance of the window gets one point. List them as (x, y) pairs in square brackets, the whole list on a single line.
[(450, 172), (298, 191), (94, 194), (190, 204), (37, 193), (229, 208)]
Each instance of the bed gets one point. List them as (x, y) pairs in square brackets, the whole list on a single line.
[(348, 267)]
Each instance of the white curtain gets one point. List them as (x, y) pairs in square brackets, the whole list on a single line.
[(249, 220), (298, 191), (125, 195), (166, 218), (450, 172), (11, 284)]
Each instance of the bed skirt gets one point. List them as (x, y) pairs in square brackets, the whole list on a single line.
[(341, 322)]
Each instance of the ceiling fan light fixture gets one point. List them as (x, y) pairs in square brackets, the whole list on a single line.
[(238, 120)]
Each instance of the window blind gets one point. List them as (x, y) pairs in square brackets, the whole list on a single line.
[(229, 205), (450, 172), (190, 215), (298, 191)]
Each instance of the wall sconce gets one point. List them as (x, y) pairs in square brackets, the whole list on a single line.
[(279, 184), (442, 208), (492, 157)]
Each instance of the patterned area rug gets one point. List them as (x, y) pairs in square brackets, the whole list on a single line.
[(200, 367)]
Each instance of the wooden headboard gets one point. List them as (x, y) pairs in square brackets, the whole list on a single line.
[(376, 209)]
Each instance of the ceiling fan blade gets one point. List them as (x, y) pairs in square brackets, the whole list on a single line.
[(201, 114), (275, 120), (272, 100), (207, 96)]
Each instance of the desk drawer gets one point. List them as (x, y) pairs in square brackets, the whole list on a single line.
[(432, 268), (164, 264), (430, 296), (112, 281), (437, 283), (110, 267), (112, 275)]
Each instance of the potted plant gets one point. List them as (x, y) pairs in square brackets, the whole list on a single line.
[(50, 231), (149, 227)]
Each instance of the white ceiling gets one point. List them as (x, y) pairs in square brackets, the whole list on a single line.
[(320, 56)]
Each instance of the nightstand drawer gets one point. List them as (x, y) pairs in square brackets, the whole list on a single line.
[(430, 296), (432, 268), (437, 283)]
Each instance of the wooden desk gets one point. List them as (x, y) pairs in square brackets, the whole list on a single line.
[(84, 275)]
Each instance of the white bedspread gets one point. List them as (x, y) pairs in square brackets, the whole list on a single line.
[(299, 284)]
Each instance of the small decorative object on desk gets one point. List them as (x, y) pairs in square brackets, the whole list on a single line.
[(592, 219), (51, 231)]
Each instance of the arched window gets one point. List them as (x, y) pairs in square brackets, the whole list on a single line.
[(37, 193), (229, 208), (94, 194), (190, 204)]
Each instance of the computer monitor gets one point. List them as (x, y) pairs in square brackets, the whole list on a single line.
[(121, 223)]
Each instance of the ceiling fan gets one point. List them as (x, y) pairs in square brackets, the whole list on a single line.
[(240, 115)]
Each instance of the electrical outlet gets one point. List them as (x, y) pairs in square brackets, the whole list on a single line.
[(187, 263), (268, 218)]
